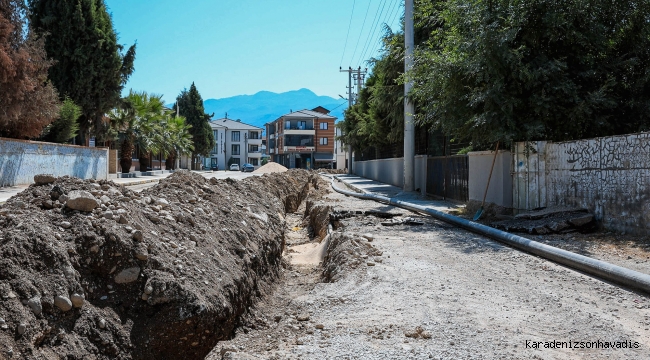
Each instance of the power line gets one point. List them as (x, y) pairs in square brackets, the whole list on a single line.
[(389, 15), (374, 28), (361, 33), (346, 36)]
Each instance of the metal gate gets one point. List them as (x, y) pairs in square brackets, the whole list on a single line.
[(448, 177)]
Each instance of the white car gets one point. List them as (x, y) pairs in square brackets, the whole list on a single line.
[(234, 167)]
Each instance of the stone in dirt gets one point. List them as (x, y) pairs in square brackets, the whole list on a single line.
[(44, 179), (77, 300), (35, 304), (63, 303), (81, 200), (189, 288), (303, 317), (127, 275)]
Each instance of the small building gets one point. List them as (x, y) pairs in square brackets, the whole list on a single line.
[(302, 139), (234, 140)]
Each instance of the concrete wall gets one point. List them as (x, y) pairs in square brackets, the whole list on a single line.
[(21, 160), (610, 176), (500, 190), (391, 171)]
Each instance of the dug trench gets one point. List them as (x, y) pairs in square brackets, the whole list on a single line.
[(92, 270)]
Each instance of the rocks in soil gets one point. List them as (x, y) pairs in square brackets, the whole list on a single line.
[(548, 221), (346, 251), (419, 332), (318, 218), (63, 303), (197, 276), (44, 179), (77, 300), (81, 200)]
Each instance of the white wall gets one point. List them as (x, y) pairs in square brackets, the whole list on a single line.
[(500, 190), (391, 171)]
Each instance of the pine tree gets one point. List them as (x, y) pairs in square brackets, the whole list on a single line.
[(28, 103), (90, 67), (191, 107)]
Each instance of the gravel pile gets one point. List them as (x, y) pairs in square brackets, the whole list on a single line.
[(271, 167), (92, 270)]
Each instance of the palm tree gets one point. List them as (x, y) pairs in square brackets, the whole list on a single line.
[(136, 119), (175, 140)]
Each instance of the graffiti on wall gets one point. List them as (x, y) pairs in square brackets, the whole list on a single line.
[(610, 176)]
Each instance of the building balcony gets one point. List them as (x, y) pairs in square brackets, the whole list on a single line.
[(299, 132), (271, 151), (255, 141), (255, 154), (271, 136)]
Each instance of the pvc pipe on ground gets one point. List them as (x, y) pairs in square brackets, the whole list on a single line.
[(602, 269)]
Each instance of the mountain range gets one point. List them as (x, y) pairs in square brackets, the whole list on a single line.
[(265, 106)]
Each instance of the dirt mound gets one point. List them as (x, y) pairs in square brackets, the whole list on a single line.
[(348, 251), (271, 167), (162, 274)]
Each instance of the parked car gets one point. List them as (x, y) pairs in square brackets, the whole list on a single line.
[(247, 168), (234, 167)]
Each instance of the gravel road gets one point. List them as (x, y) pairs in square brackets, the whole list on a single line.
[(472, 298)]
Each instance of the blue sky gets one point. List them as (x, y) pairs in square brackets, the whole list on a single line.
[(236, 47)]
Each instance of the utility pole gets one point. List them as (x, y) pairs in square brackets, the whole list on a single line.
[(358, 75), (409, 127)]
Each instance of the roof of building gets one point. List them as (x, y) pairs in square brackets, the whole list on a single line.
[(309, 114), (321, 110), (232, 125)]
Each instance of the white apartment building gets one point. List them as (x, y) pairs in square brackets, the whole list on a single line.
[(237, 140), (340, 152)]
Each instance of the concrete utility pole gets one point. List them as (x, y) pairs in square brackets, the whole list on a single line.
[(409, 127), (358, 75), (349, 71)]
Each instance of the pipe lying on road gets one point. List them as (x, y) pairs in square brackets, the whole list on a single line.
[(605, 270)]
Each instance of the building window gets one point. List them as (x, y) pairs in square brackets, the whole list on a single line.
[(236, 161), (253, 148), (235, 150), (253, 161), (323, 126), (323, 141), (235, 136), (254, 135)]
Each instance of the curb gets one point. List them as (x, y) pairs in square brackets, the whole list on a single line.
[(139, 182)]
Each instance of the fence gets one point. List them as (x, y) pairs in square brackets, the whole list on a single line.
[(448, 177)]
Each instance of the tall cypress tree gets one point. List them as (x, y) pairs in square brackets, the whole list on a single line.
[(91, 68), (190, 105)]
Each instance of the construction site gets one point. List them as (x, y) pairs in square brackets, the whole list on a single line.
[(281, 265)]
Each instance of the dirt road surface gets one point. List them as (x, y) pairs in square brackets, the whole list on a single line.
[(437, 292)]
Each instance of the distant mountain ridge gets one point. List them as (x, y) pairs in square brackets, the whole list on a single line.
[(265, 106)]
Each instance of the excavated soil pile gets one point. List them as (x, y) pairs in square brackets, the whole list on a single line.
[(348, 251), (90, 270), (271, 167)]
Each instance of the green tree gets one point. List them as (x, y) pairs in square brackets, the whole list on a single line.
[(90, 66), (65, 127), (543, 69), (190, 105)]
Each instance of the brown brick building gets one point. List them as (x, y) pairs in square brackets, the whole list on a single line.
[(302, 139)]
